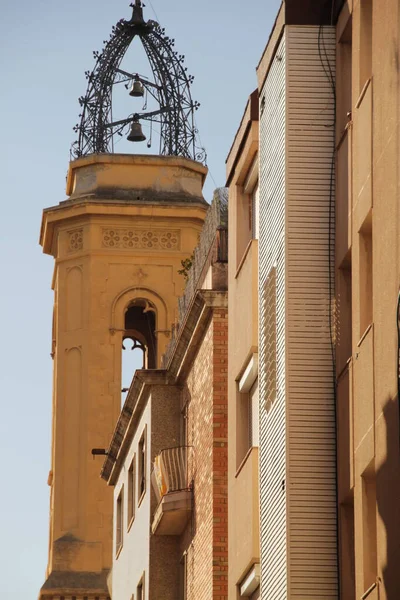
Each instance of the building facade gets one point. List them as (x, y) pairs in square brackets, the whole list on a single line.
[(167, 460), (243, 413), (259, 460), (328, 225), (367, 290), (118, 242)]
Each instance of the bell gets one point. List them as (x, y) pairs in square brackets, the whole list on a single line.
[(136, 134), (137, 90)]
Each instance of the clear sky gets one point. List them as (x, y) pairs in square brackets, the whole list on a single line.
[(45, 48)]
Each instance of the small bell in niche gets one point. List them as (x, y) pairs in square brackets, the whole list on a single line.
[(136, 134), (137, 89)]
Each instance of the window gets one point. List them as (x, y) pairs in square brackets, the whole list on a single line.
[(247, 411), (347, 554), (369, 509), (255, 204), (131, 491), (142, 466), (344, 315), (182, 577), (250, 585), (247, 209), (345, 76), (253, 415), (365, 41), (139, 341), (119, 521), (365, 253), (243, 222), (140, 589)]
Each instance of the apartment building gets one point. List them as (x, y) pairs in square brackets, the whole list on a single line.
[(325, 138), (367, 291), (243, 413), (281, 199), (167, 461)]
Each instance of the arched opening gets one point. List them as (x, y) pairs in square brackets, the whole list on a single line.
[(139, 343)]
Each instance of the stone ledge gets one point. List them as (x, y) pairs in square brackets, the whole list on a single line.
[(86, 584)]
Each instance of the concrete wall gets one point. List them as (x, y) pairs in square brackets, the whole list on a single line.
[(243, 487), (367, 264), (134, 558)]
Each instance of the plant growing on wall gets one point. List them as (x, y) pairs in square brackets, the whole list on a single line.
[(186, 266)]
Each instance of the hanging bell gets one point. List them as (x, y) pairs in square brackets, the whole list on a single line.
[(136, 134), (137, 89)]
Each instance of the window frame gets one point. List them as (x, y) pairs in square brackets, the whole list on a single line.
[(119, 523), (131, 492), (246, 383), (140, 588), (253, 395), (142, 466)]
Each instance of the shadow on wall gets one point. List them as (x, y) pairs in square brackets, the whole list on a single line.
[(388, 500)]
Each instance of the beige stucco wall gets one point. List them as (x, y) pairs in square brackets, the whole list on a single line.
[(243, 485), (109, 249), (367, 392)]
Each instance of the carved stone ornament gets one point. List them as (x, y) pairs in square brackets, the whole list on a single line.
[(75, 240), (141, 239)]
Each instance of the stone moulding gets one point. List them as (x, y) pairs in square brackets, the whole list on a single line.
[(75, 240), (144, 239)]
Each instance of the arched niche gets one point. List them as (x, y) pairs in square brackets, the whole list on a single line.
[(127, 298), (138, 315), (140, 325)]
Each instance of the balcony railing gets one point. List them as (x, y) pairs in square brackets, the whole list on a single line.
[(170, 471), (171, 484)]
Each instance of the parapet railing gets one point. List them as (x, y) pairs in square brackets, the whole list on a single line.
[(212, 247)]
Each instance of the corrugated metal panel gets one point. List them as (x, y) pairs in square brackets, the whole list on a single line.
[(311, 463), (272, 256)]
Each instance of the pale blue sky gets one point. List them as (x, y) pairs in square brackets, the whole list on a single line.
[(45, 47)]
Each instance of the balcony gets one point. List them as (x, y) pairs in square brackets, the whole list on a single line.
[(170, 483)]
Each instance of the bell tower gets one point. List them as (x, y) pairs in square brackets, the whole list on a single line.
[(118, 242)]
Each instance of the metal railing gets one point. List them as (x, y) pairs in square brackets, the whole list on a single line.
[(170, 472)]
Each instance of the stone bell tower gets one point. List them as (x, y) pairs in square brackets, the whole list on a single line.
[(118, 242)]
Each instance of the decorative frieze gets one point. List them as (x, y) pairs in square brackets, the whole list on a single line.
[(141, 239), (75, 240)]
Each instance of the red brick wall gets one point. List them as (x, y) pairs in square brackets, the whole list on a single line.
[(220, 455), (206, 538)]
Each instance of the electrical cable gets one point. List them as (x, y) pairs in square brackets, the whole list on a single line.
[(322, 51), (155, 14)]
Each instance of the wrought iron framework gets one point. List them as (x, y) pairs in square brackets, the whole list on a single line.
[(170, 88)]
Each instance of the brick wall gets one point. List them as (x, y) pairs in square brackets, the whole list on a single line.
[(220, 455), (206, 537)]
